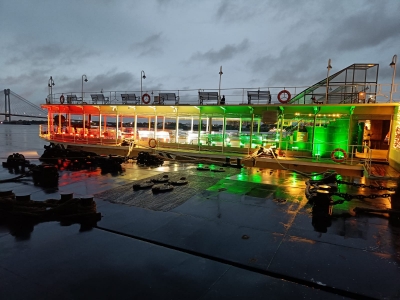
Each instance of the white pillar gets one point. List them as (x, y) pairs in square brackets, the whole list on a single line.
[(177, 128), (251, 133), (100, 134), (155, 127), (135, 128), (83, 124), (199, 130), (116, 130), (223, 132)]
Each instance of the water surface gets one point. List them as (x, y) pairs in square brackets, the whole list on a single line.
[(23, 139)]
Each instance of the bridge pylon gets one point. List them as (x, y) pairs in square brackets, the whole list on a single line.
[(7, 106)]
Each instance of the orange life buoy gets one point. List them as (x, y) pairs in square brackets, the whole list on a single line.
[(339, 160), (281, 100), (146, 98), (62, 99), (152, 143)]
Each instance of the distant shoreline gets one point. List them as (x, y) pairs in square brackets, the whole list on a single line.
[(20, 122)]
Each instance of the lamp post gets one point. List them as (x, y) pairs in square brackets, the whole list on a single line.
[(393, 65), (84, 78), (142, 76), (329, 67), (219, 89), (50, 85)]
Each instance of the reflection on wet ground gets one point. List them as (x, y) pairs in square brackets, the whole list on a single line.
[(244, 232)]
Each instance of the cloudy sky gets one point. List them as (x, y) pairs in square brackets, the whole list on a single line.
[(181, 44)]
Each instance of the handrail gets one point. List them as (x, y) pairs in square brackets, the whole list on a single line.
[(236, 95), (108, 137)]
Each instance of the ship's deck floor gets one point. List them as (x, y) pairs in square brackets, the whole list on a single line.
[(241, 234)]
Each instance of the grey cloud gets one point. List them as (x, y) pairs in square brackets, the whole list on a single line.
[(279, 69), (366, 29), (234, 11), (150, 46), (108, 81), (225, 53), (46, 55)]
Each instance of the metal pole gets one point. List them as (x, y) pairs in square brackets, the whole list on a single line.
[(141, 84), (329, 67), (219, 89), (393, 65), (50, 85), (86, 80)]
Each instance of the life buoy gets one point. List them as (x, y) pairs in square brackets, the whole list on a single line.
[(146, 98), (339, 160), (152, 143), (62, 99), (281, 100)]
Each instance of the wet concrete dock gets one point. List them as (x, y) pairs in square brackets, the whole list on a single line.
[(241, 234)]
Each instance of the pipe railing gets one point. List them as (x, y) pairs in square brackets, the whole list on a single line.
[(323, 152), (380, 92)]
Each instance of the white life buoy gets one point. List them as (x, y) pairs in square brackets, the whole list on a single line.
[(146, 98)]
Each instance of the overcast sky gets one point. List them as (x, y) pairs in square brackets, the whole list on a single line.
[(181, 44)]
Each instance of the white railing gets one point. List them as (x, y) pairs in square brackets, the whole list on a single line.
[(317, 152), (239, 95)]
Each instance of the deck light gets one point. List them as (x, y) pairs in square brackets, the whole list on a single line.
[(50, 85), (393, 65), (329, 67), (84, 78), (219, 90), (142, 76)]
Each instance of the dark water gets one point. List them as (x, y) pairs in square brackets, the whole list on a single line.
[(23, 139)]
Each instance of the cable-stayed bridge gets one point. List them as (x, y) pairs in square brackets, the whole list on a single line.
[(16, 106)]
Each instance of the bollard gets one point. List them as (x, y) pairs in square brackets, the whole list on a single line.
[(395, 198), (322, 211), (67, 196), (8, 193), (394, 214), (86, 200), (239, 162), (23, 198)]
